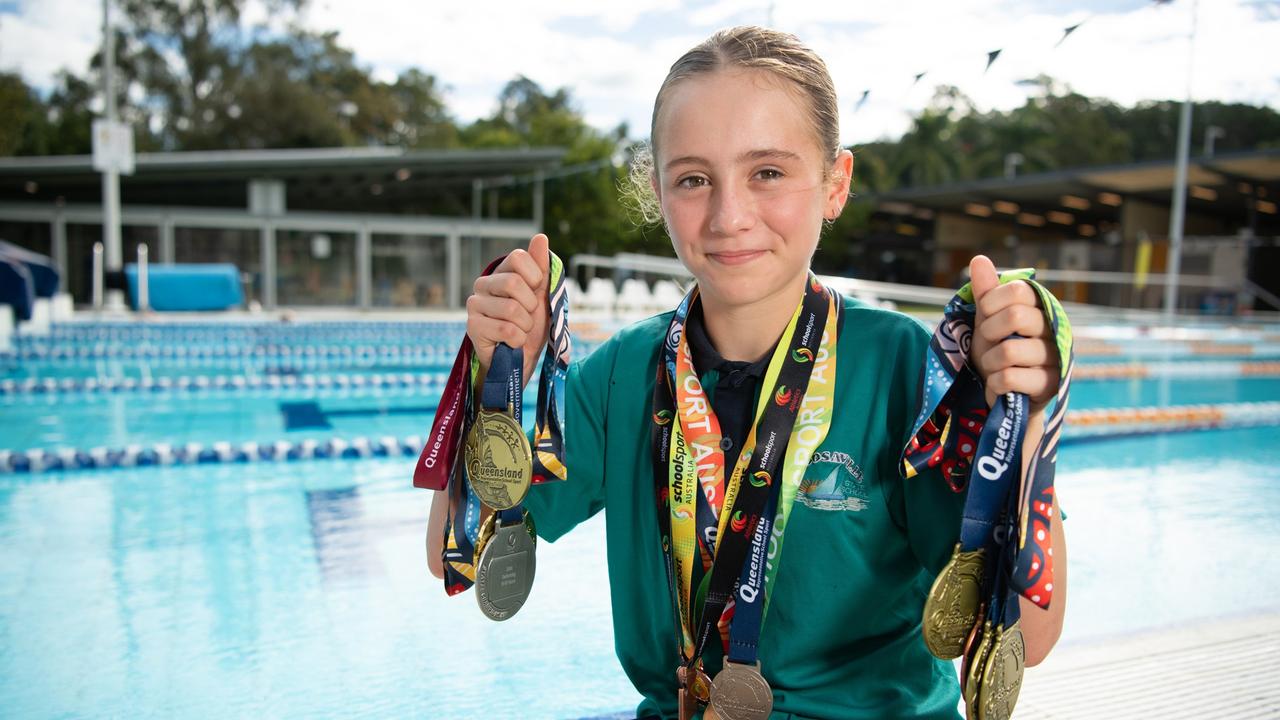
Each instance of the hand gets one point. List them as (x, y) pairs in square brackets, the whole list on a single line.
[(1027, 364), (510, 306)]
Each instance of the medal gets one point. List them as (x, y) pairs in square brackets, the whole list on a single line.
[(951, 610), (1002, 676), (504, 567), (498, 459), (974, 676), (970, 645), (740, 692)]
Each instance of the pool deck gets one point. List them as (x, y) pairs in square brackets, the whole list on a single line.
[(1218, 669)]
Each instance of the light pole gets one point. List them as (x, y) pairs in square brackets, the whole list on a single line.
[(1177, 216), (111, 175)]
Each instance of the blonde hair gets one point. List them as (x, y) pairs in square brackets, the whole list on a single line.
[(781, 54)]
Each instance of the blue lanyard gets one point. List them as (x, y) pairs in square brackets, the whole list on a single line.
[(503, 388), (749, 595)]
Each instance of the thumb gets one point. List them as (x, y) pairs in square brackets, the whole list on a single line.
[(540, 251), (982, 276)]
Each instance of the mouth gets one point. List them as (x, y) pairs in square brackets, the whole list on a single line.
[(735, 257)]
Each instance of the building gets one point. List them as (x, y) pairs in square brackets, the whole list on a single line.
[(1093, 221), (357, 227)]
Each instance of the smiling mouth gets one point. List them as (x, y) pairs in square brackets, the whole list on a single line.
[(736, 257)]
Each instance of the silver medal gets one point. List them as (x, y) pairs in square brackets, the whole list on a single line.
[(504, 574)]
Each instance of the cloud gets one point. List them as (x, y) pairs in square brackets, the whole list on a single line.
[(45, 36), (613, 56)]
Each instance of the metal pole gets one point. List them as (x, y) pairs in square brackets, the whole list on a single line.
[(144, 288), (539, 200), (364, 268), (1177, 217), (97, 276), (111, 178)]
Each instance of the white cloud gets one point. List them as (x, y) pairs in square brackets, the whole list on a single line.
[(613, 56), (46, 36)]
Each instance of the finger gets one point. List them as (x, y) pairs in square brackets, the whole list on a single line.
[(540, 253), (1014, 293), (1016, 319), (500, 308), (1037, 382), (520, 261), (1016, 352), (486, 332), (982, 276), (510, 285)]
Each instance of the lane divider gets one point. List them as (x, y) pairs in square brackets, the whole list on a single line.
[(35, 461), (1179, 350), (1218, 369), (1082, 426), (198, 383)]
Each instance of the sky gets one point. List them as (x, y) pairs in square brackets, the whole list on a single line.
[(614, 55)]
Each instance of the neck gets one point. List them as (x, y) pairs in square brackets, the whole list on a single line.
[(745, 332)]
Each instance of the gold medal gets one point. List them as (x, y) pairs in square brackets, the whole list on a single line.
[(973, 681), (740, 692), (951, 610), (1002, 676), (498, 459), (695, 690)]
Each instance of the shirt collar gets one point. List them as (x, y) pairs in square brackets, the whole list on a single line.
[(706, 357)]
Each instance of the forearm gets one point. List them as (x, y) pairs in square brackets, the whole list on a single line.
[(1041, 628), (435, 532)]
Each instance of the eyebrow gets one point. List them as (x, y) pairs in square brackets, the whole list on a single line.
[(762, 154)]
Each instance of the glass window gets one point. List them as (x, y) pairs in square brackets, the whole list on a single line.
[(409, 271), (316, 268), (36, 237), (242, 248), (477, 253)]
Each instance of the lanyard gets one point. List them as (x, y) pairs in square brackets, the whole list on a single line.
[(439, 466), (950, 428), (687, 471)]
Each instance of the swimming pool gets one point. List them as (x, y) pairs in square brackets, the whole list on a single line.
[(299, 589)]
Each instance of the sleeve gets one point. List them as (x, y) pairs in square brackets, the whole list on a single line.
[(558, 506), (924, 507)]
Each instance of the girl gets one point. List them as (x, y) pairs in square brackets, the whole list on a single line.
[(745, 168)]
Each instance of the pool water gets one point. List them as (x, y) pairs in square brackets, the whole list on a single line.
[(270, 589)]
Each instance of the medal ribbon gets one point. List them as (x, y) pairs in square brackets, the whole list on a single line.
[(953, 425), (439, 468), (685, 476)]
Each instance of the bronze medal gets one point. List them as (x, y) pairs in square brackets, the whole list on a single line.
[(505, 569), (951, 610), (740, 692), (695, 688), (498, 459), (1002, 676), (973, 679), (970, 646)]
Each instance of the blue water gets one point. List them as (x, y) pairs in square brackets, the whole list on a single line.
[(300, 589)]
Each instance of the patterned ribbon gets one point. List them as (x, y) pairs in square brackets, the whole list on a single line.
[(953, 415), (720, 519), (462, 523)]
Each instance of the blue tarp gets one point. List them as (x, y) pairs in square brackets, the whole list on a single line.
[(16, 287), (214, 286), (43, 274)]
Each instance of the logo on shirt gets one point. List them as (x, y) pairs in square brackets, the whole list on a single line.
[(833, 481)]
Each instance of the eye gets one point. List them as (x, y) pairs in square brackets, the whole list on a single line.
[(769, 174), (691, 181)]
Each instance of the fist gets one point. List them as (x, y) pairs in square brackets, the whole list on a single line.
[(1026, 364), (510, 306)]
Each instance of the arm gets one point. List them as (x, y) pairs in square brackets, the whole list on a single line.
[(1028, 364), (1041, 628)]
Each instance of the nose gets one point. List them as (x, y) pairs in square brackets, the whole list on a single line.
[(732, 210)]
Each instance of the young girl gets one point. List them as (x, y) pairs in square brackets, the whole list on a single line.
[(746, 167)]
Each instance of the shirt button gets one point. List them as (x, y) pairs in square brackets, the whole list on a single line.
[(726, 443)]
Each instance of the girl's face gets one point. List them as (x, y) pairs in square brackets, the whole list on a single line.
[(743, 183)]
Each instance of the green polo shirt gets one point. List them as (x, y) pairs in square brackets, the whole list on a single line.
[(842, 635)]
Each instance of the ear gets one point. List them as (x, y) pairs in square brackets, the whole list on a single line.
[(655, 185), (838, 191)]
